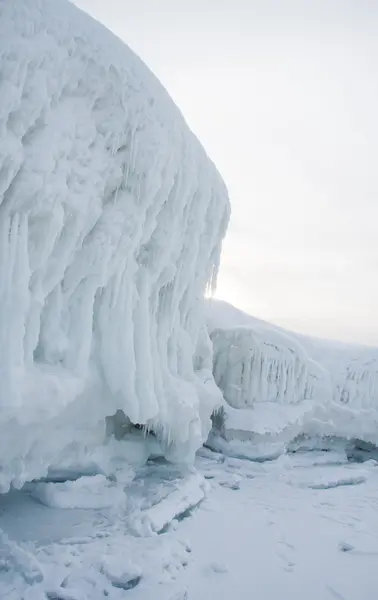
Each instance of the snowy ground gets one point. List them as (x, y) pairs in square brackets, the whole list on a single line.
[(302, 526)]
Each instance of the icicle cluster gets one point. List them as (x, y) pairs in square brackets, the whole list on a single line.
[(111, 222), (252, 366), (260, 366)]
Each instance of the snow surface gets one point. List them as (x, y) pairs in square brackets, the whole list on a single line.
[(111, 222), (279, 384), (302, 526)]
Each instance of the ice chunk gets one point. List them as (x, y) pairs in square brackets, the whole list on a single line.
[(121, 573), (85, 492), (188, 494)]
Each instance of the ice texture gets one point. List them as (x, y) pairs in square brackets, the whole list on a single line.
[(111, 222)]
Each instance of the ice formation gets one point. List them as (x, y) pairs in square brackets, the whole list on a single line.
[(111, 221), (293, 384), (256, 365), (353, 371), (353, 414), (268, 381), (357, 383)]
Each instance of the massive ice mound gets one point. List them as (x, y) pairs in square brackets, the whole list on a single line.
[(253, 365), (269, 382), (111, 221)]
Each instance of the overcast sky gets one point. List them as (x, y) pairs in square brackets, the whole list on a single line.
[(284, 96)]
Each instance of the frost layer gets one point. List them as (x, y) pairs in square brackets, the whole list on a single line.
[(111, 220)]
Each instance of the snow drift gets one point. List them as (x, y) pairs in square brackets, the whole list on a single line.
[(111, 221), (279, 385)]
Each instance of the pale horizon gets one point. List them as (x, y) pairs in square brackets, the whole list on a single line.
[(283, 101)]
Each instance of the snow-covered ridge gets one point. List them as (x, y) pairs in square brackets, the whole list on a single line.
[(111, 222)]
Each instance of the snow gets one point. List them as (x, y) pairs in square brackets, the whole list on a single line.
[(111, 222), (301, 526), (280, 385), (285, 541)]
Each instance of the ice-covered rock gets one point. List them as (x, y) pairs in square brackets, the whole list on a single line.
[(186, 495), (111, 222), (268, 381), (254, 365)]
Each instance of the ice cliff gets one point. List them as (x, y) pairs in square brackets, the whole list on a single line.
[(111, 222)]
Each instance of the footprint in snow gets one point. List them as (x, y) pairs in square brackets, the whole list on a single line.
[(345, 547), (183, 595), (216, 567), (233, 483)]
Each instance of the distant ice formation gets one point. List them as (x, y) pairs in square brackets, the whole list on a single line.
[(279, 385), (253, 365)]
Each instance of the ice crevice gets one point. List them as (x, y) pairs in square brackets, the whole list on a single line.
[(111, 223)]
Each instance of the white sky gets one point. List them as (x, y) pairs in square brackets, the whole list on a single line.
[(284, 96)]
